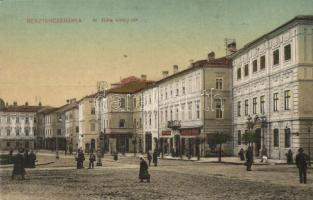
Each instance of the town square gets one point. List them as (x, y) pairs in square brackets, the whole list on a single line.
[(169, 99)]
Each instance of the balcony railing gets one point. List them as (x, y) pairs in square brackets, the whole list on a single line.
[(174, 124)]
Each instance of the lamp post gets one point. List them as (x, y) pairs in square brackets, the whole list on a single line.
[(263, 126), (309, 140)]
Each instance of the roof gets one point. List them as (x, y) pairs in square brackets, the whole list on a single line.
[(218, 62), (23, 108), (130, 87), (67, 107), (291, 22), (47, 110)]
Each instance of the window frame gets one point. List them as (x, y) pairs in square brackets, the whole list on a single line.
[(276, 57)]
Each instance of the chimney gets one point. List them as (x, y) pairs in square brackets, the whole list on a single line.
[(231, 48), (211, 56), (73, 100), (39, 104), (67, 101), (26, 103), (15, 103), (144, 77), (164, 74), (175, 69)]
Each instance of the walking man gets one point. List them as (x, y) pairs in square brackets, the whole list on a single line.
[(155, 158), (302, 164), (249, 158), (149, 157), (92, 159)]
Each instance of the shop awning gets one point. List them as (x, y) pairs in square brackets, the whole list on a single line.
[(190, 132)]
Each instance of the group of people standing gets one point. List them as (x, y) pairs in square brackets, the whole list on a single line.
[(80, 158), (23, 159), (302, 161)]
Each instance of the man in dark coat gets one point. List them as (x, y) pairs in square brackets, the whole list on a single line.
[(80, 159), (249, 157), (26, 158), (155, 158), (289, 157), (241, 154), (92, 159), (149, 157), (143, 171), (302, 164), (32, 159), (19, 165)]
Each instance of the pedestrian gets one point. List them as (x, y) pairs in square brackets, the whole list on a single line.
[(149, 157), (26, 158), (249, 158), (92, 159), (155, 158), (241, 154), (302, 164), (143, 170), (80, 159), (71, 150), (32, 159), (289, 157), (19, 165)]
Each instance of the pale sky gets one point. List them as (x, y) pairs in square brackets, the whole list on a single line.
[(55, 62)]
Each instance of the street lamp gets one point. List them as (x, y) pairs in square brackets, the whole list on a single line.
[(309, 140)]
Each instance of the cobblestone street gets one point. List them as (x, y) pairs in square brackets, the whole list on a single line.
[(170, 180)]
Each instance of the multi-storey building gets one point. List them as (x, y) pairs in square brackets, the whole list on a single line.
[(71, 126), (122, 115), (18, 126), (193, 104), (272, 79), (88, 135), (150, 117)]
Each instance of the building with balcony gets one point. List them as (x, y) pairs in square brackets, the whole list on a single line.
[(18, 126), (272, 79), (193, 104)]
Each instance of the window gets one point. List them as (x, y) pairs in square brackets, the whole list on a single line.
[(247, 70), (27, 132), (149, 119), (246, 141), (183, 111), (176, 114), (8, 120), (219, 84), (77, 129), (255, 65), (287, 99), (123, 102), (140, 125), (246, 107), (93, 110), (238, 108), (262, 103), (17, 131), (135, 123), (171, 114), (166, 118), (177, 92), (17, 120), (149, 99), (276, 57), (165, 93), (238, 73), (198, 109), (26, 120), (183, 87), (189, 110), (254, 105), (92, 127), (239, 137), (8, 132), (8, 144), (262, 62), (218, 109), (35, 120), (275, 99), (122, 123), (287, 52), (135, 103), (276, 137), (287, 137)]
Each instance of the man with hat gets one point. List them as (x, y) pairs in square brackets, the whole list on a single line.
[(19, 164), (302, 164)]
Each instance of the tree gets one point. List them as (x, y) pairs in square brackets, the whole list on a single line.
[(249, 137), (220, 139)]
